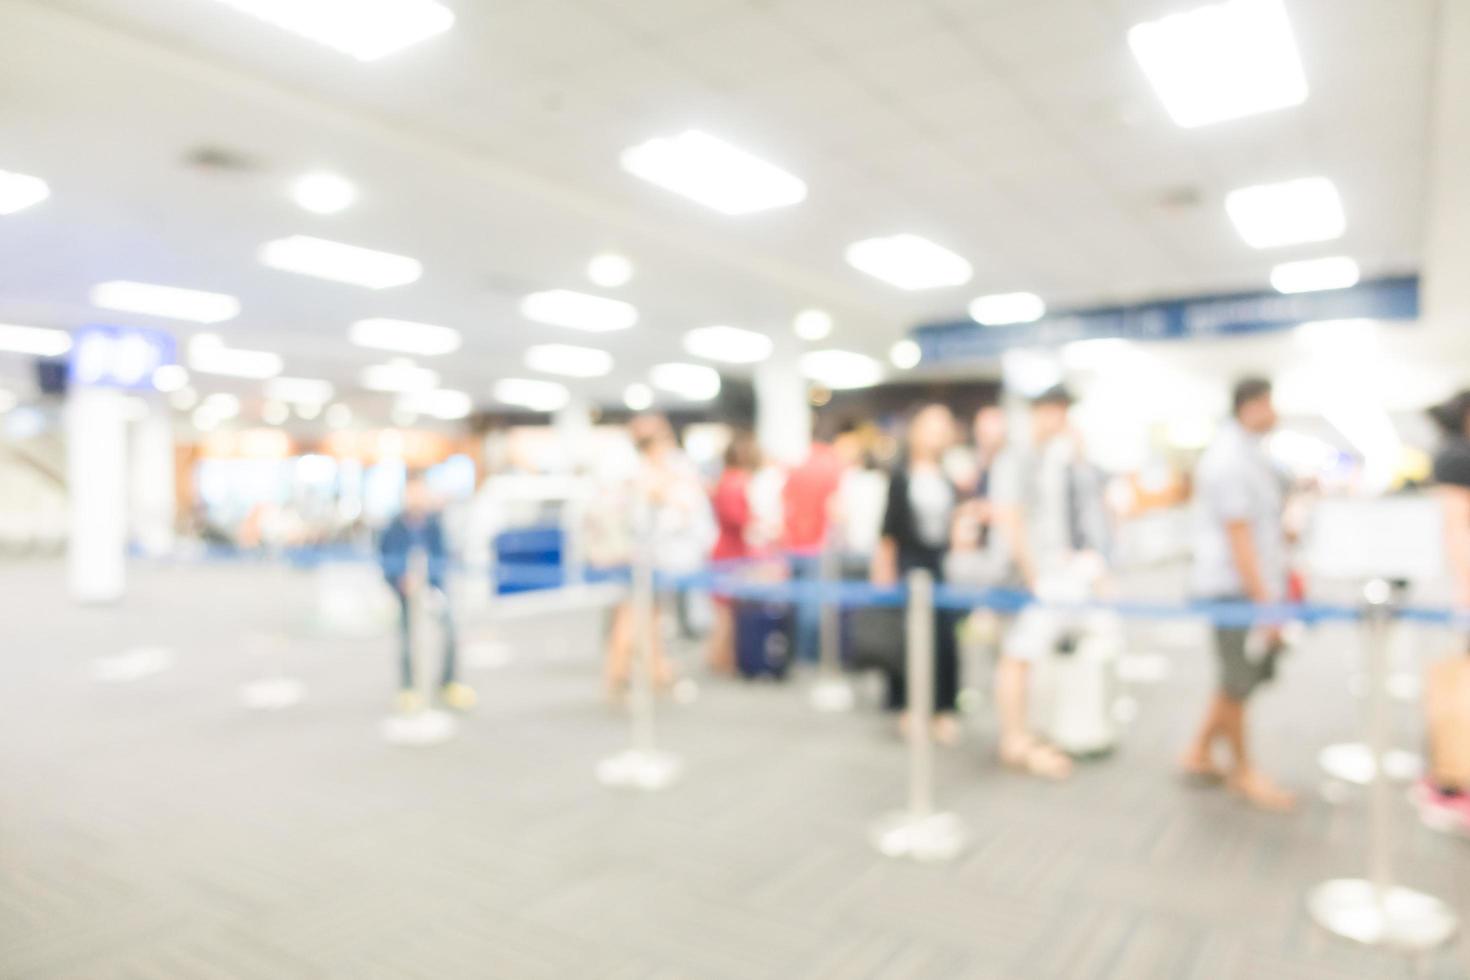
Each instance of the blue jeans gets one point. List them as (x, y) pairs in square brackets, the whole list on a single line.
[(405, 636), (808, 639)]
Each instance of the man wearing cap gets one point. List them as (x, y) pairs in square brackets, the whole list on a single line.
[(1239, 555), (1047, 514)]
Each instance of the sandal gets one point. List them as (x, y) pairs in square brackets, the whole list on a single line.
[(1034, 757)]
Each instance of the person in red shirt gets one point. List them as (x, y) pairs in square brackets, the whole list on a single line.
[(806, 504), (731, 502)]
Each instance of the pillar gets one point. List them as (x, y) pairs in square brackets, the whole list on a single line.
[(96, 469), (783, 412)]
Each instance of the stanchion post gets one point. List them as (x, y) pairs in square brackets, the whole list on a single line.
[(831, 693), (1374, 911), (642, 765), (918, 831)]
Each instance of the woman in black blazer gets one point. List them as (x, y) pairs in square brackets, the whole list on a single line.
[(916, 534)]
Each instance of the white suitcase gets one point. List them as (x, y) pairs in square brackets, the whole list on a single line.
[(1075, 690)]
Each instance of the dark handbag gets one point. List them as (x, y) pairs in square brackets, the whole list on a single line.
[(877, 638)]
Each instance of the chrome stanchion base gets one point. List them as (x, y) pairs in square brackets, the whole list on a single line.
[(1397, 918), (1352, 762), (643, 769), (928, 838), (832, 695), (272, 693), (421, 728)]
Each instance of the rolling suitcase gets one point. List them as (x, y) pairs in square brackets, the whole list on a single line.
[(762, 639), (1074, 692)]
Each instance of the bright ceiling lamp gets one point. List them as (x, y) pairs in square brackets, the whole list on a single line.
[(691, 382), (729, 345), (909, 262), (638, 397), (841, 369), (398, 376), (708, 170), (169, 378), (538, 396), (300, 391), (325, 259), (1222, 61), (20, 191), (404, 337), (1314, 275), (440, 403), (209, 355), (1289, 213), (569, 360), (999, 309), (193, 305), (905, 354), (324, 193), (610, 271), (578, 311), (366, 31), (812, 325), (39, 341)]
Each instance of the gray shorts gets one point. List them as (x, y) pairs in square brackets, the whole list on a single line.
[(1240, 675)]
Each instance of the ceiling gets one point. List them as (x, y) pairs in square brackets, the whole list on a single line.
[(1018, 133)]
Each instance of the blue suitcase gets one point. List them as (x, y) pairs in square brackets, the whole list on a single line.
[(762, 639)]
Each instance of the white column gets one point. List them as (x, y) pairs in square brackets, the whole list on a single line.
[(152, 498), (1446, 288), (783, 413), (573, 425), (96, 470)]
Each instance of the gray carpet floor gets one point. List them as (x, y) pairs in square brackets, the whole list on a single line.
[(156, 829)]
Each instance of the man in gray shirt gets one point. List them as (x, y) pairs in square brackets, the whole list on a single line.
[(1239, 555)]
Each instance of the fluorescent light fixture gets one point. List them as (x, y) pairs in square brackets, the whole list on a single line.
[(20, 191), (578, 311), (398, 376), (1289, 213), (1313, 275), (998, 309), (909, 262), (708, 170), (404, 337), (300, 391), (339, 416), (209, 355), (1222, 61), (610, 271), (351, 264), (169, 378), (193, 305), (905, 354), (440, 403), (569, 360), (638, 397), (40, 341), (729, 345), (324, 193), (538, 396), (841, 369), (366, 31), (812, 325), (691, 382), (275, 412)]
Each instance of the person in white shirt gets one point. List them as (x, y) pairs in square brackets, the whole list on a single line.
[(1046, 512), (1239, 555)]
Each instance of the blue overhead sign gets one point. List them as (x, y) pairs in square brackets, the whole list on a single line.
[(119, 357), (1212, 316)]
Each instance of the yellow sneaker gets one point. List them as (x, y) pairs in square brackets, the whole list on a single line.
[(459, 696), (409, 701)]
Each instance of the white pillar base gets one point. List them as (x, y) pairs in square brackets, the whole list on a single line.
[(1396, 918), (419, 729), (640, 769), (833, 695), (928, 838)]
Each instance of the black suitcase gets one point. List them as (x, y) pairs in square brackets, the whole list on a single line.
[(762, 639)]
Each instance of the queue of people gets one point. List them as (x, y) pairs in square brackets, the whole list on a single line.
[(1024, 513)]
